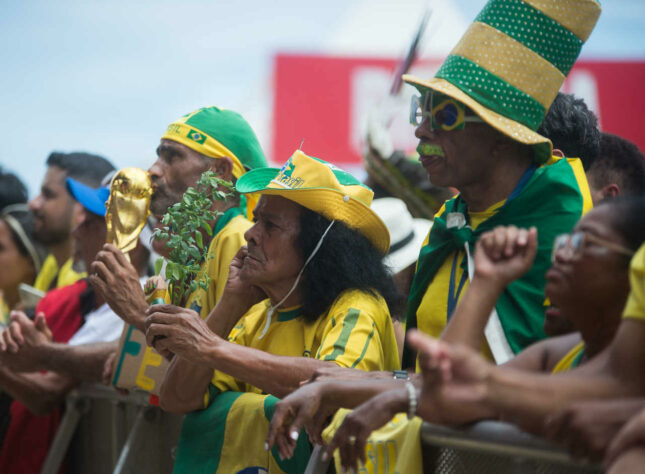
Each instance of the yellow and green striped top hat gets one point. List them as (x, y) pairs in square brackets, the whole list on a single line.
[(511, 62), (323, 188), (218, 133)]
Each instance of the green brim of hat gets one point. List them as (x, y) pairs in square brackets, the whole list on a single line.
[(542, 146), (328, 202)]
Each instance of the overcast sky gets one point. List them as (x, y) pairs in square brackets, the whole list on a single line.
[(107, 77)]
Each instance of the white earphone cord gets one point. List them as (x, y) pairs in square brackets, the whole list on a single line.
[(295, 283)]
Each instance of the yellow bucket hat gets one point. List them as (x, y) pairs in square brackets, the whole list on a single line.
[(511, 62), (323, 188)]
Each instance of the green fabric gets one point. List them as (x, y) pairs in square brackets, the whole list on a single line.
[(203, 431), (349, 322), (225, 218), (202, 435), (578, 358), (550, 201), (367, 344), (230, 129), (301, 454), (535, 30), (288, 315), (486, 88)]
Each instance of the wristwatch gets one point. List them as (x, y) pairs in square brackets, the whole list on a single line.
[(400, 374)]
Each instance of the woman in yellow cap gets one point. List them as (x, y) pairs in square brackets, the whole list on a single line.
[(309, 291)]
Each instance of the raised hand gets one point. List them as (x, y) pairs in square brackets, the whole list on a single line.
[(460, 371), (236, 286), (117, 281), (505, 254), (20, 343)]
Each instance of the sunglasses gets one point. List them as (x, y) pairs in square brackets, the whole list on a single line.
[(447, 115), (574, 244)]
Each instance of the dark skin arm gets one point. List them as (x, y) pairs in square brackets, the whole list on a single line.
[(189, 337), (312, 404), (520, 397), (27, 347), (186, 382), (40, 393), (501, 256), (587, 428)]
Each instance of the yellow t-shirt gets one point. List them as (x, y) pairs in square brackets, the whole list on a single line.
[(432, 313), (50, 271), (635, 307), (356, 332), (221, 251)]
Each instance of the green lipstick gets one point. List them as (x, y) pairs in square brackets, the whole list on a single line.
[(430, 149)]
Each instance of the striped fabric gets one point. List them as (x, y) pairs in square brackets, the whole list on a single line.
[(228, 435), (515, 57)]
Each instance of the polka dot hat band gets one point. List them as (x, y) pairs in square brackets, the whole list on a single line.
[(511, 62)]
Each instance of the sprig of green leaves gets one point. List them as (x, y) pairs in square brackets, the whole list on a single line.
[(184, 226)]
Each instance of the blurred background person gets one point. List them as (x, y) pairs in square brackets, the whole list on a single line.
[(21, 255), (54, 216)]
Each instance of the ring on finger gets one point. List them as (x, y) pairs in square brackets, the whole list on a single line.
[(351, 439)]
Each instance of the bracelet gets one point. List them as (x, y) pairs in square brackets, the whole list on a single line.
[(412, 399)]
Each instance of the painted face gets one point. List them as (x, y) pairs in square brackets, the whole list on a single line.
[(53, 208), (176, 169), (273, 260), (453, 155), (16, 267), (586, 271)]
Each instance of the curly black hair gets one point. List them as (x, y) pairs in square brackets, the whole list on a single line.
[(572, 128), (346, 260)]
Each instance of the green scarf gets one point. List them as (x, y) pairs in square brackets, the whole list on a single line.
[(552, 201)]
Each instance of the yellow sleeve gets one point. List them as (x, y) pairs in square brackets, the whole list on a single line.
[(228, 242), (351, 338), (67, 275), (240, 334), (635, 307)]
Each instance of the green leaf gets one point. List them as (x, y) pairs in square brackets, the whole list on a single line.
[(158, 265)]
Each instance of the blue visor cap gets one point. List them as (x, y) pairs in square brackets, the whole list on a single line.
[(92, 199)]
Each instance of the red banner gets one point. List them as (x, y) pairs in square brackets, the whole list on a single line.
[(325, 101)]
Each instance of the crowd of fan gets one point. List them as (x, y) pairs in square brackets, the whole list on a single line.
[(522, 300)]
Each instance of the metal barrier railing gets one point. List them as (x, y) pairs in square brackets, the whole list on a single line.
[(103, 431), (136, 437), (494, 447)]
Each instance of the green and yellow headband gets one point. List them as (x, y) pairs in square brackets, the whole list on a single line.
[(219, 133)]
